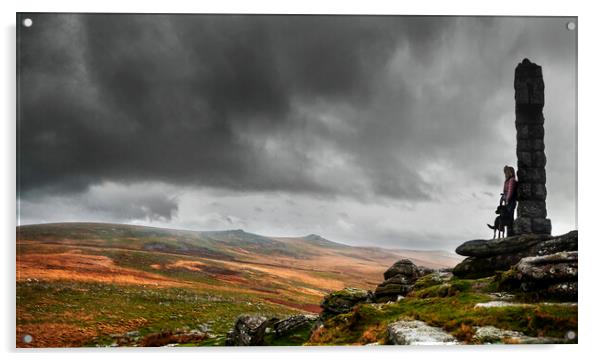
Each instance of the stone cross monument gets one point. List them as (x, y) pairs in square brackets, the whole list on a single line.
[(531, 196)]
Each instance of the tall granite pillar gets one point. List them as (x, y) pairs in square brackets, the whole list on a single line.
[(529, 97)]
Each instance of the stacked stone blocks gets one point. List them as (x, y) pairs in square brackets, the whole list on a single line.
[(530, 150)]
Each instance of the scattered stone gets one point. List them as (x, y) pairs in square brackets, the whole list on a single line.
[(204, 327), (249, 330), (502, 296), (432, 279), (132, 333), (417, 333), (565, 304), (492, 304), (292, 323), (343, 301), (165, 338), (491, 334)]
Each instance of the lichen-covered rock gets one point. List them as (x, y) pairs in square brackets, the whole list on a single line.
[(399, 280), (550, 275), (292, 323), (391, 290), (561, 266), (491, 334), (565, 290), (417, 333), (423, 271), (566, 242), (432, 279), (249, 330), (343, 301), (488, 256), (404, 267), (475, 267)]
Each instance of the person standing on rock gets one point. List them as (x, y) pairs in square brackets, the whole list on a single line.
[(509, 196)]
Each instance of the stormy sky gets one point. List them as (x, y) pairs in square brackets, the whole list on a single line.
[(368, 130)]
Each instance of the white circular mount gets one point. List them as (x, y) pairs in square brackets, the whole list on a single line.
[(571, 25)]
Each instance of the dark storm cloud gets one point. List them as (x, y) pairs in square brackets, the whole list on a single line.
[(178, 98), (277, 124)]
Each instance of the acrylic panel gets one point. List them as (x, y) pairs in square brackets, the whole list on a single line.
[(288, 180)]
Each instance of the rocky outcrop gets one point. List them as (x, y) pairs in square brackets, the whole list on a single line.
[(561, 266), (478, 267), (343, 301), (493, 247), (249, 330), (399, 280), (485, 257), (395, 286), (549, 275), (423, 271), (293, 323), (417, 333), (403, 267), (566, 242), (564, 290)]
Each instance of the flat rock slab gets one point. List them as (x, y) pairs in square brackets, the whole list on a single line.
[(485, 257), (493, 304), (417, 333), (493, 247), (491, 334), (557, 267)]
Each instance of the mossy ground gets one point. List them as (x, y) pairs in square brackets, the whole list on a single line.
[(451, 306)]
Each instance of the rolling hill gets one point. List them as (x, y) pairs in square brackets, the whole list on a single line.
[(84, 283)]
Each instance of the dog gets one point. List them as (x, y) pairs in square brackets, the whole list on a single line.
[(501, 222)]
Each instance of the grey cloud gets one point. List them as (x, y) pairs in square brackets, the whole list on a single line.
[(388, 110), (109, 202)]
